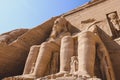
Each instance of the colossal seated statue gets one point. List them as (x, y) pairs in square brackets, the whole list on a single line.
[(54, 55)]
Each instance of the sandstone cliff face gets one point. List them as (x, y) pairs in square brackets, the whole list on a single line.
[(6, 51), (15, 45), (7, 38)]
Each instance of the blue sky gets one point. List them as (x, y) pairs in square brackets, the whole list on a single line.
[(16, 14)]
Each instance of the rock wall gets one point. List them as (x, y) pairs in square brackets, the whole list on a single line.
[(14, 54)]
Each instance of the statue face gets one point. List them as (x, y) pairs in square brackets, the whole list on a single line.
[(57, 28), (58, 25)]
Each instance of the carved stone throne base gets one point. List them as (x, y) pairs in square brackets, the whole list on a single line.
[(65, 77)]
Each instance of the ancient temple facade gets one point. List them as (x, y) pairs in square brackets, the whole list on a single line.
[(102, 17)]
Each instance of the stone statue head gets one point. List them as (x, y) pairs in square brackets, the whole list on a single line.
[(60, 25), (74, 58)]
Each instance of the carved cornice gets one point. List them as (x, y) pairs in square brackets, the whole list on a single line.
[(89, 4)]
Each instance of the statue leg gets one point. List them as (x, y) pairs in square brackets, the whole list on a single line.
[(31, 59), (44, 57), (86, 53), (41, 58), (66, 52), (32, 56)]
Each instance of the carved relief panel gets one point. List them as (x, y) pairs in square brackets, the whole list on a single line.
[(114, 23)]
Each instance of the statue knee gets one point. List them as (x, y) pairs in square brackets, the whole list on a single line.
[(86, 34), (45, 45), (35, 46), (87, 37), (66, 38)]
